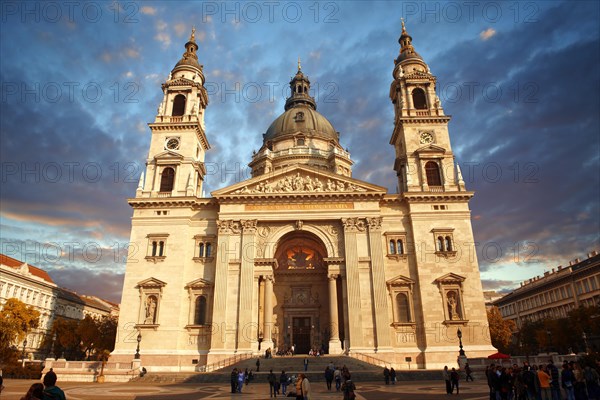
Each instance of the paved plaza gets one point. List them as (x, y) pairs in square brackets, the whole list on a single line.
[(424, 390)]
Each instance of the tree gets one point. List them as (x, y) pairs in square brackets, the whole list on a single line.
[(16, 319), (87, 330), (501, 330)]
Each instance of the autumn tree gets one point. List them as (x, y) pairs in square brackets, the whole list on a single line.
[(501, 330), (16, 319)]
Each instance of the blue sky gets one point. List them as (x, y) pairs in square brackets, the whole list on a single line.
[(80, 82)]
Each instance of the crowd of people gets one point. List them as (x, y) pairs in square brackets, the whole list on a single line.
[(240, 378), (543, 382)]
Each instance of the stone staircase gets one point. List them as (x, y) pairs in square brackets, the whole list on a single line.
[(361, 371)]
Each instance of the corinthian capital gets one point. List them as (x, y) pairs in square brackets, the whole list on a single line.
[(354, 224), (374, 223), (249, 225)]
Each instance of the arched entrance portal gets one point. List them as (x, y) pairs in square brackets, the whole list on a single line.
[(301, 312)]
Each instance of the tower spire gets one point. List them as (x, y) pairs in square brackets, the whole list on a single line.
[(300, 91), (406, 48)]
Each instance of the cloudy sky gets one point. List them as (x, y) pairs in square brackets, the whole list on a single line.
[(79, 84)]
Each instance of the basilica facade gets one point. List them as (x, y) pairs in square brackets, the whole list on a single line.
[(302, 254)]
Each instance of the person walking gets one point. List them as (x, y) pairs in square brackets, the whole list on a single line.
[(305, 364), (233, 380), (468, 371), (283, 382), (393, 375), (348, 389), (328, 377), (272, 381), (386, 375), (454, 380), (446, 376), (240, 383), (337, 377)]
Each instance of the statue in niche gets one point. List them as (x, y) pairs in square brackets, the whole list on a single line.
[(150, 310), (452, 305)]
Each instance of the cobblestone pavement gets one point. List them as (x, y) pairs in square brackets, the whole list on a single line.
[(418, 390)]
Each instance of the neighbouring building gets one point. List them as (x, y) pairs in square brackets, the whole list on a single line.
[(554, 294), (33, 286), (302, 253)]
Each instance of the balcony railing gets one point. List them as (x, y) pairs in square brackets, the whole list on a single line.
[(304, 150), (436, 189)]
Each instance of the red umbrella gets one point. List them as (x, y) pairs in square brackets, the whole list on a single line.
[(499, 356)]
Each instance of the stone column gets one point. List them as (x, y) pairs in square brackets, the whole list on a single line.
[(334, 341), (355, 336), (382, 323), (268, 314), (220, 300), (245, 330)]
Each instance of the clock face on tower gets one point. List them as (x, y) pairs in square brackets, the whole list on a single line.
[(426, 138), (172, 143)]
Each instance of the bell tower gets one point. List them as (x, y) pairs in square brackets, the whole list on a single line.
[(175, 163), (424, 159)]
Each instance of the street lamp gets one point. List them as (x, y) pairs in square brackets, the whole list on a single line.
[(584, 336), (24, 345), (461, 353), (137, 350), (52, 348)]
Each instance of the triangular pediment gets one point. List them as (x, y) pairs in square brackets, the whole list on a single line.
[(168, 155), (151, 283), (299, 180), (400, 280), (181, 81), (198, 283), (450, 278), (430, 148)]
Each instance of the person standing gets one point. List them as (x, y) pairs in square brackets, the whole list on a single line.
[(305, 364), (306, 388), (283, 381), (299, 395), (568, 381), (454, 380), (544, 378), (554, 381), (386, 375), (446, 376), (258, 365), (52, 391), (393, 375), (272, 381)]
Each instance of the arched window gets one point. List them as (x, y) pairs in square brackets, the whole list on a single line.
[(161, 248), (201, 250), (179, 105), (419, 101), (403, 308), (440, 243), (154, 247), (400, 246), (433, 174), (448, 243), (167, 179), (208, 250), (200, 311), (392, 247)]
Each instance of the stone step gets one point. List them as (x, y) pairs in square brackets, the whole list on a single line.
[(361, 371)]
